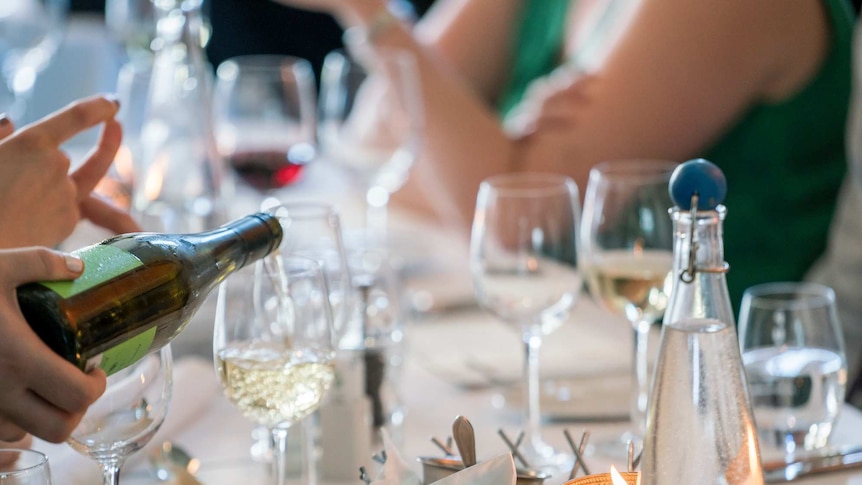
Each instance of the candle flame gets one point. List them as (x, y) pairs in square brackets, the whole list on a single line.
[(616, 477)]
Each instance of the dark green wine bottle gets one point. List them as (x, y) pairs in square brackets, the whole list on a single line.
[(138, 291)]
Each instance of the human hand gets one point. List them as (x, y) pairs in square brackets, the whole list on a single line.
[(40, 202), (550, 103), (43, 394), (10, 458)]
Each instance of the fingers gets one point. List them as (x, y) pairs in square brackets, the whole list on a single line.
[(108, 216), (38, 264), (75, 118), (10, 432), (99, 160), (6, 126)]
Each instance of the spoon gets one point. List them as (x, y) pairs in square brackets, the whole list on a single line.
[(173, 463), (465, 440)]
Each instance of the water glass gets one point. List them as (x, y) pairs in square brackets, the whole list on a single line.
[(24, 467), (793, 352)]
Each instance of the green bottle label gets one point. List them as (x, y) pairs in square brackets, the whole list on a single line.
[(127, 353), (101, 263)]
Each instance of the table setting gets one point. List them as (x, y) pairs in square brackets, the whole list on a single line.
[(420, 347)]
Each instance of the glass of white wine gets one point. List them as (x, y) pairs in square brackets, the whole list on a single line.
[(273, 345), (627, 254), (523, 262), (127, 415)]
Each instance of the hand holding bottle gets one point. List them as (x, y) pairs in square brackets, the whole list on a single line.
[(42, 393), (42, 202)]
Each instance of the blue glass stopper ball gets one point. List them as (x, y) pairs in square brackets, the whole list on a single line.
[(700, 177)]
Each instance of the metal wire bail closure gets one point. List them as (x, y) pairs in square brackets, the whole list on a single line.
[(687, 275)]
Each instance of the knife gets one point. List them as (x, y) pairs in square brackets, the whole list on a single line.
[(832, 460)]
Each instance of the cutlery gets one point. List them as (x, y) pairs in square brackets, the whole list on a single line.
[(831, 460), (465, 440)]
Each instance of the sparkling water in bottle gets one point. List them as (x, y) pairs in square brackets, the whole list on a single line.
[(699, 420)]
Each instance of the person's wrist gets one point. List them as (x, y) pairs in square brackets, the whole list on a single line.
[(367, 20)]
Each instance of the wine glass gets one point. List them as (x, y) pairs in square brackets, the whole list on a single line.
[(264, 117), (793, 353), (627, 254), (273, 344), (370, 120), (523, 262), (24, 467), (30, 33), (127, 415)]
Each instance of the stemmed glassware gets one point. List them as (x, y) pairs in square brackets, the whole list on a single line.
[(127, 415), (627, 254), (264, 117), (30, 33), (523, 262), (24, 467), (273, 344), (793, 353), (371, 120)]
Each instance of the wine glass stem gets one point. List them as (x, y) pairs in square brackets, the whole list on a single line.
[(279, 440), (532, 344), (110, 472), (640, 378)]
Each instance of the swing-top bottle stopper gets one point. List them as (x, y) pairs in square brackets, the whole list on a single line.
[(697, 185)]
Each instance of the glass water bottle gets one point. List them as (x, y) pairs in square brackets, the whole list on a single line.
[(178, 182), (699, 421)]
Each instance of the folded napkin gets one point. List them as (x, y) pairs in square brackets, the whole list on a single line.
[(195, 387), (499, 470)]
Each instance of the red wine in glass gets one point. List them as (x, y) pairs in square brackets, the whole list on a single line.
[(269, 169)]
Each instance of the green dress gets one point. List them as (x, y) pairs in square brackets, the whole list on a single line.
[(784, 162)]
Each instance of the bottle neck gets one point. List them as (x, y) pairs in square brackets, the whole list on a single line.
[(241, 242), (700, 286)]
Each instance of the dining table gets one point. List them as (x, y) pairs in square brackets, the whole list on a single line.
[(458, 359)]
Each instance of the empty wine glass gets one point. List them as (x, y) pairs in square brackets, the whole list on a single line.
[(627, 254), (273, 345), (30, 33), (264, 117), (523, 262), (127, 415), (793, 353), (370, 120), (24, 467)]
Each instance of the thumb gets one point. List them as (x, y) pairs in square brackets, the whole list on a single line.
[(26, 265)]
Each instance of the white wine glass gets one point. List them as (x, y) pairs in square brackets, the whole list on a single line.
[(523, 263), (264, 117), (24, 467), (793, 352), (371, 121), (127, 415), (30, 34), (273, 345), (626, 246)]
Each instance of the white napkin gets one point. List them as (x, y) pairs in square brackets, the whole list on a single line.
[(499, 470), (396, 471), (195, 386)]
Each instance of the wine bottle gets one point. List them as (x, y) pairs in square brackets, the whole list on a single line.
[(138, 291)]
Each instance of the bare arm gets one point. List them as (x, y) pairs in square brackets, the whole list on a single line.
[(680, 76)]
